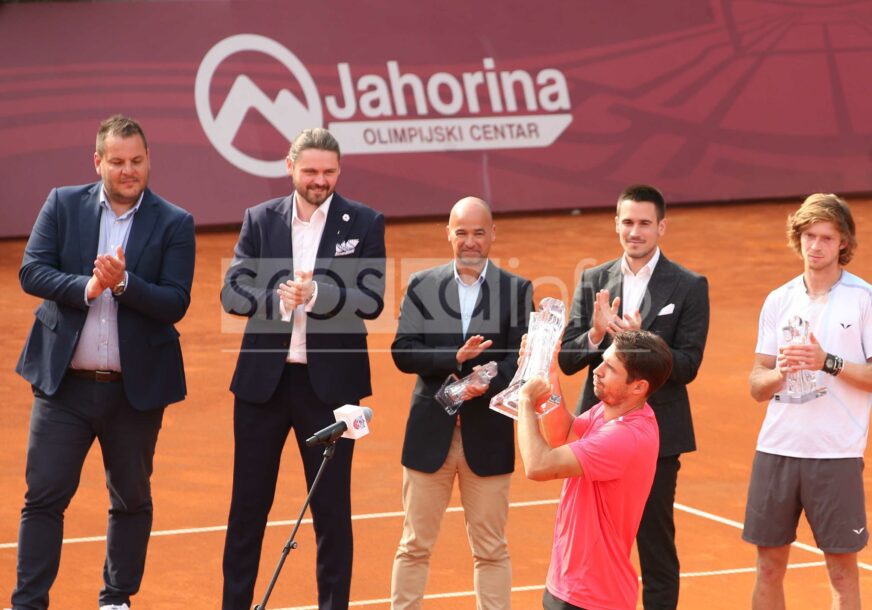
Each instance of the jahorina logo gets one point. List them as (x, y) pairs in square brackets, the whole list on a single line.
[(394, 111)]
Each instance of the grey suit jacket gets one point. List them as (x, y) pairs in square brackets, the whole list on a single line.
[(675, 307)]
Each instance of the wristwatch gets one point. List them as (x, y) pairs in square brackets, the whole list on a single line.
[(119, 288), (833, 365)]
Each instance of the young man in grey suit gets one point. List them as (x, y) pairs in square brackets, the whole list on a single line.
[(454, 318), (643, 289), (114, 264), (308, 269)]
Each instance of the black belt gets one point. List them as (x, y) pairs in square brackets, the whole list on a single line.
[(98, 376)]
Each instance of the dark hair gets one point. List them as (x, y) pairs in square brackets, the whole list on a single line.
[(645, 356), (824, 207), (317, 138), (118, 125), (644, 192)]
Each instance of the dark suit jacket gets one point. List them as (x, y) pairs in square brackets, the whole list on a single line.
[(349, 270), (684, 329), (429, 335), (59, 260)]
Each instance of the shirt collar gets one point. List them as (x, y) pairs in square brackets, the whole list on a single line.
[(478, 281), (648, 269), (324, 208), (104, 203)]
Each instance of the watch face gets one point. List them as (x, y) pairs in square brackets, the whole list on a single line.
[(830, 362)]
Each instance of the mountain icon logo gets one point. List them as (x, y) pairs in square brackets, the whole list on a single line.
[(286, 113)]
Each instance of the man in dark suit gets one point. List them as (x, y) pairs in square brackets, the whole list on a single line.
[(654, 294), (454, 318), (114, 264), (307, 270)]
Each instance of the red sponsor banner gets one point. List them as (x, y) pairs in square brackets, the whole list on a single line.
[(557, 107)]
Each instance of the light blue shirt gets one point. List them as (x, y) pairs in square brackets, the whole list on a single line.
[(468, 294), (97, 349)]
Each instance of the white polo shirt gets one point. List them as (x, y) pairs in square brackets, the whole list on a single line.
[(836, 424)]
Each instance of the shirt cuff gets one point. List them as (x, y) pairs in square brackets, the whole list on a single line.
[(286, 315), (311, 302), (594, 346)]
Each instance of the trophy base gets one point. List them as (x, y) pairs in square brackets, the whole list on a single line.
[(507, 410), (796, 399), (449, 400)]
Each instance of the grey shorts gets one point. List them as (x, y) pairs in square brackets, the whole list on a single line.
[(829, 490)]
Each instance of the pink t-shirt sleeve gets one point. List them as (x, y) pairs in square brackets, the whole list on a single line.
[(605, 453), (581, 423)]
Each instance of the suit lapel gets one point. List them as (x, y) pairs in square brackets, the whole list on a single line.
[(143, 223), (449, 297), (339, 221), (660, 288), (614, 283), (89, 228), (280, 234)]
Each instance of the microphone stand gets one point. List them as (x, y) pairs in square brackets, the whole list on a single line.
[(291, 544)]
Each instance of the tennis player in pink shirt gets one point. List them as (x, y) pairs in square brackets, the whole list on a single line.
[(607, 457)]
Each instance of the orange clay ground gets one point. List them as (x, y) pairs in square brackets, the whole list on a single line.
[(741, 248)]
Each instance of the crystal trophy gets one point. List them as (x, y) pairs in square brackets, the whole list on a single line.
[(802, 386), (452, 392), (543, 333), (549, 405)]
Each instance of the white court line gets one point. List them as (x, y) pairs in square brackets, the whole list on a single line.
[(384, 601), (222, 528), (387, 600), (450, 509), (737, 525)]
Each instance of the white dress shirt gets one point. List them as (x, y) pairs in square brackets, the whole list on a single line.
[(636, 284), (305, 238), (468, 294)]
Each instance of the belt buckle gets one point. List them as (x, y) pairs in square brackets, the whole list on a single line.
[(103, 376)]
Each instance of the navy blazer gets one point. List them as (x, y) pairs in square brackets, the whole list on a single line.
[(429, 334), (350, 273), (58, 262), (675, 307)]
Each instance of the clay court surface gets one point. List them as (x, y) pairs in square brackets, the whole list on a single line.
[(741, 248)]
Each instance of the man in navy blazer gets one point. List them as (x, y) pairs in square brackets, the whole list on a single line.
[(307, 270), (113, 263), (643, 289)]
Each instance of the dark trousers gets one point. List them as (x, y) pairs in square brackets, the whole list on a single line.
[(549, 602), (260, 431), (658, 557), (62, 429)]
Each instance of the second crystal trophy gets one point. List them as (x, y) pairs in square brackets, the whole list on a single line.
[(802, 386), (543, 333), (453, 392)]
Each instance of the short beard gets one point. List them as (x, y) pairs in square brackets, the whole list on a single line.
[(308, 200)]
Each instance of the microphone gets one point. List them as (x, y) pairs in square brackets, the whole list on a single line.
[(351, 422)]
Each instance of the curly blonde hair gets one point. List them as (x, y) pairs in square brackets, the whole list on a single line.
[(824, 207)]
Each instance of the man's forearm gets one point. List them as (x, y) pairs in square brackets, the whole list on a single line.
[(530, 442), (555, 425), (765, 382)]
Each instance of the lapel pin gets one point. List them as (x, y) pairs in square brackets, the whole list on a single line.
[(346, 217)]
